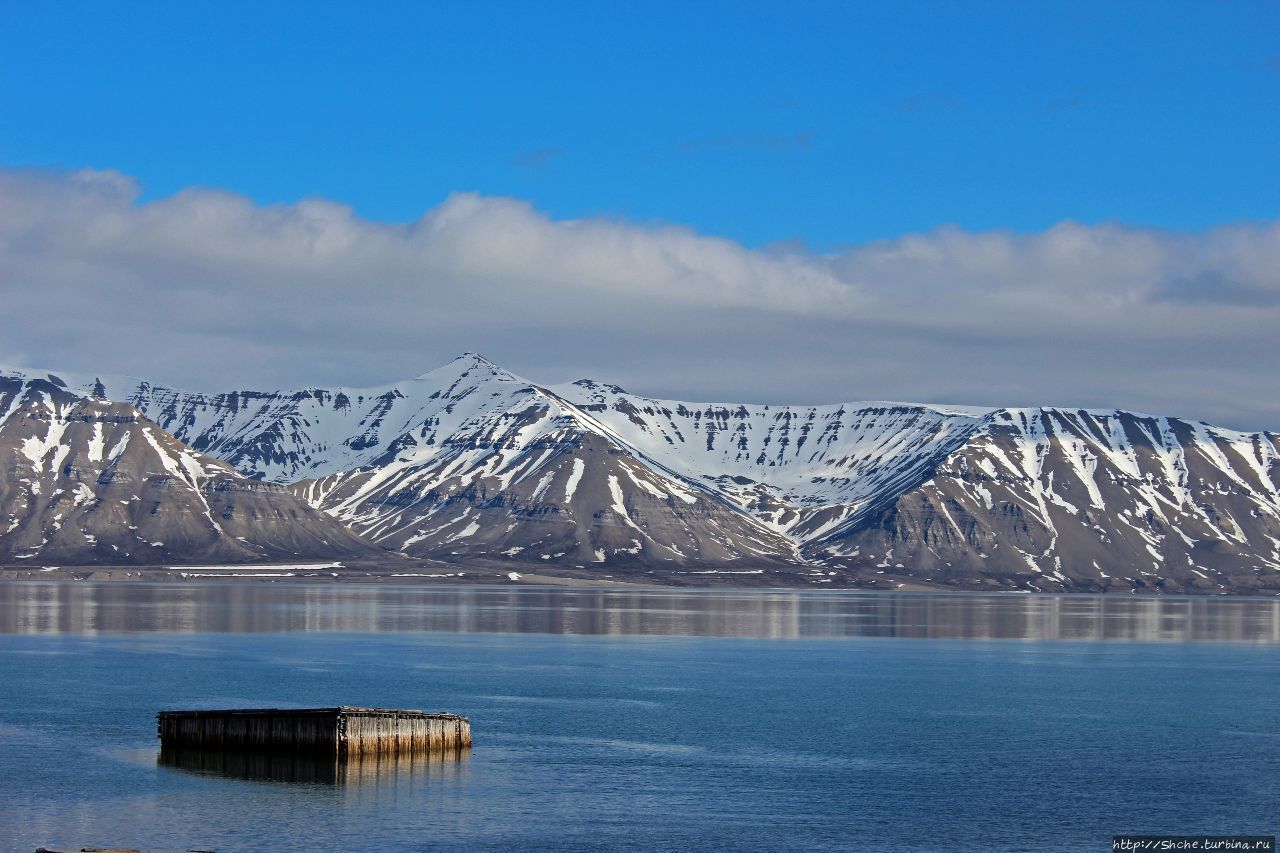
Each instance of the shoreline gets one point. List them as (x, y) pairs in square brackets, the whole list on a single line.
[(471, 575), (435, 575)]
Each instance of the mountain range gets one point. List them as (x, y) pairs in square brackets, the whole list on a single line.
[(472, 465)]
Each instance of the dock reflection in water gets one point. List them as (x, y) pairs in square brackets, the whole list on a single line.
[(364, 770), (82, 607)]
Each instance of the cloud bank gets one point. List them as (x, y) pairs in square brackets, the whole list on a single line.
[(208, 289)]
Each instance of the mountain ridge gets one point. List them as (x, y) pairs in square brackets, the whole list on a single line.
[(470, 461)]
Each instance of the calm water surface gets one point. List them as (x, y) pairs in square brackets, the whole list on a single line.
[(612, 719)]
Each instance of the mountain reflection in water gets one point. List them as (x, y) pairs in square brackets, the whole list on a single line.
[(83, 607)]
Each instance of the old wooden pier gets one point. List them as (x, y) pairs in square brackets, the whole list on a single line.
[(341, 732)]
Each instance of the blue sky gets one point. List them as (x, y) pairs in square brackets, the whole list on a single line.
[(822, 123), (984, 203)]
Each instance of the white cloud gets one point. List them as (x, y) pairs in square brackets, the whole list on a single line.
[(209, 289)]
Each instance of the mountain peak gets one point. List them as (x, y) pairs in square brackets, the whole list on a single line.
[(471, 366), (474, 358), (463, 363)]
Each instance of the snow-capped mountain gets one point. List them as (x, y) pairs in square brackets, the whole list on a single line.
[(90, 481), (470, 461), (538, 480), (1086, 500)]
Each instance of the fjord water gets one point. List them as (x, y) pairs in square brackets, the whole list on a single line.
[(645, 719)]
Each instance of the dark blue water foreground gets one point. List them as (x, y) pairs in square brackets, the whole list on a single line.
[(712, 720)]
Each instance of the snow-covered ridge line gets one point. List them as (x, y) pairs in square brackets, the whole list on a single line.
[(121, 387), (125, 388)]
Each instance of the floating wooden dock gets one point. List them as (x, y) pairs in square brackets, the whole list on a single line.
[(340, 732)]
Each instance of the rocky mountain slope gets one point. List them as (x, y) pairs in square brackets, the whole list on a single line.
[(1085, 500), (469, 462), (92, 481)]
